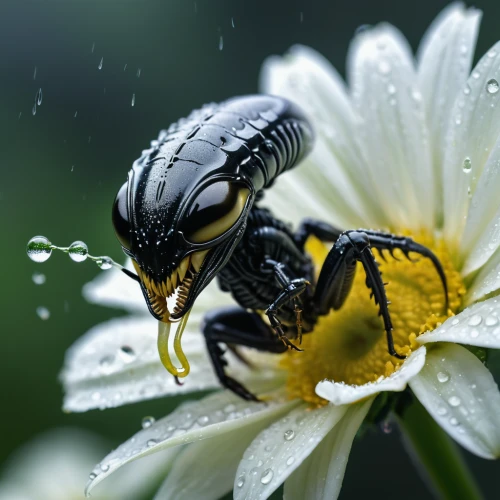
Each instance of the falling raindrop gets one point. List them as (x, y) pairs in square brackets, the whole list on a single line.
[(139, 73), (76, 114), (132, 103), (232, 22), (39, 249), (301, 17), (38, 278), (93, 47), (34, 74), (492, 86), (38, 97), (147, 422), (43, 313), (221, 42), (78, 251), (467, 164), (33, 110), (125, 67), (267, 476), (100, 63)]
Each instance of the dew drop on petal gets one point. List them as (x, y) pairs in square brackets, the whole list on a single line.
[(453, 421), (267, 476), (475, 320), (147, 422), (241, 481), (104, 263), (43, 313), (203, 420), (78, 251), (290, 460), (492, 86), (454, 401), (104, 467), (106, 364), (92, 476), (126, 353), (491, 321), (39, 249), (289, 435), (151, 442), (442, 411), (467, 164), (384, 68), (443, 377), (38, 278)]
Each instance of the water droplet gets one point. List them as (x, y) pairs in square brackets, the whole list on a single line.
[(92, 476), (267, 476), (290, 460), (147, 422), (384, 68), (39, 249), (132, 103), (492, 86), (391, 89), (100, 63), (476, 75), (78, 251), (38, 278), (467, 164), (491, 321), (467, 89), (474, 333), (126, 353), (229, 408), (106, 363), (105, 467), (43, 313), (221, 42), (241, 481), (387, 427), (138, 73), (104, 263), (260, 463), (34, 74), (454, 401), (455, 321), (232, 22), (151, 442), (475, 320), (38, 97), (453, 421), (289, 435), (443, 377), (203, 420), (442, 411)]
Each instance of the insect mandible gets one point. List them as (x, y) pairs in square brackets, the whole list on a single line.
[(189, 212)]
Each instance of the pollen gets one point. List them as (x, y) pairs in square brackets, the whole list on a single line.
[(349, 345)]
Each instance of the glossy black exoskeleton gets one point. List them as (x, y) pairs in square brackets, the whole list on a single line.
[(189, 212)]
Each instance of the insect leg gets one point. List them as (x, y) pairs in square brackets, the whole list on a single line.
[(322, 230), (337, 275), (292, 289), (386, 241), (234, 325)]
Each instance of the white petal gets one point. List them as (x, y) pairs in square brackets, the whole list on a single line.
[(113, 288), (334, 169), (393, 133), (117, 362), (474, 131), (206, 469), (211, 416), (445, 57), (320, 475), (477, 325), (340, 393), (486, 281), (277, 451), (461, 395)]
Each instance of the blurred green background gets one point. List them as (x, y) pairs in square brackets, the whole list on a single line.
[(61, 168)]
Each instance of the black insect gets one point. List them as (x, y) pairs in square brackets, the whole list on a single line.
[(189, 213)]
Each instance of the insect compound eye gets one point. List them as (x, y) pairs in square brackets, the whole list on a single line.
[(120, 217), (214, 211)]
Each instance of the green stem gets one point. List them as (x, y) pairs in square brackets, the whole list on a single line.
[(438, 454)]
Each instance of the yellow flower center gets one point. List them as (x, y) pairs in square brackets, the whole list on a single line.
[(350, 345)]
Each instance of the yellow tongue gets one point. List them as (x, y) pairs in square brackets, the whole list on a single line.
[(163, 336)]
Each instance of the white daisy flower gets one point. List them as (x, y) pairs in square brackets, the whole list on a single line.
[(55, 464), (411, 147)]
